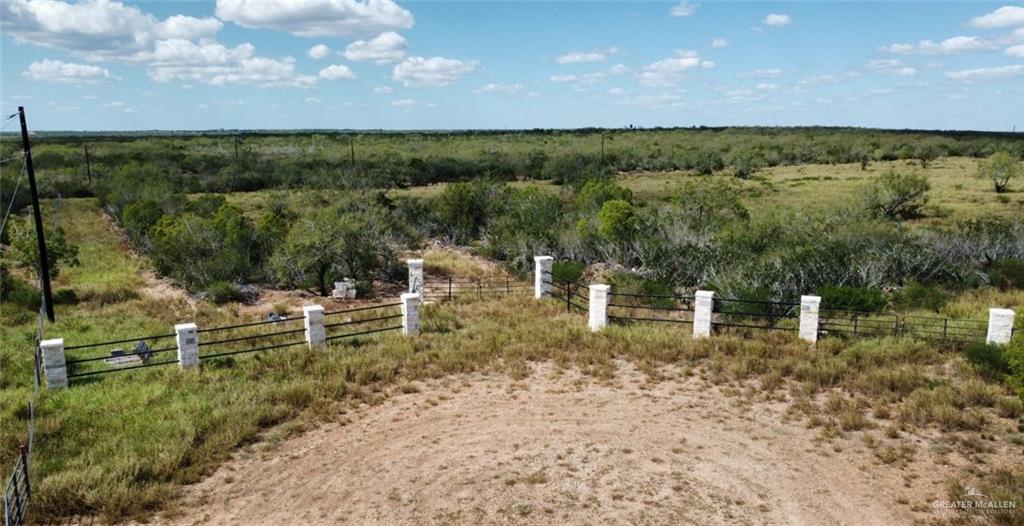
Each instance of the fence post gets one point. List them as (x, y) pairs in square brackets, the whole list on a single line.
[(54, 364), (809, 308), (542, 276), (415, 275), (1000, 326), (316, 333), (410, 314), (598, 311), (187, 336), (703, 304), (23, 452)]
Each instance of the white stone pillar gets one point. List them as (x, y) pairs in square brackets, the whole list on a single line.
[(809, 308), (1000, 326), (703, 304), (415, 275), (54, 364), (410, 314), (542, 276), (316, 334), (187, 336), (598, 311)]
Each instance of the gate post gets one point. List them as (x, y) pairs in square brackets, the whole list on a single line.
[(703, 304), (187, 337), (597, 313), (410, 314), (415, 275), (1000, 326), (542, 276), (316, 333), (54, 364), (809, 309)]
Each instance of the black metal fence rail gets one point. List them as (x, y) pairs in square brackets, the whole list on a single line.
[(946, 330), (230, 341), (754, 314), (624, 307), (569, 292), (363, 321), (146, 354), (455, 287), (17, 491), (848, 323)]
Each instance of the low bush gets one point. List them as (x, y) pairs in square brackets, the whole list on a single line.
[(222, 292), (921, 296), (1007, 273), (852, 298)]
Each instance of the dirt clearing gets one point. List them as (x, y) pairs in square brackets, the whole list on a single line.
[(560, 448)]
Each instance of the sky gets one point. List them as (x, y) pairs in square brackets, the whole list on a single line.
[(380, 64)]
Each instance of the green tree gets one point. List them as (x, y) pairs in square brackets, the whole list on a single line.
[(24, 250), (616, 220), (334, 242), (896, 195), (1000, 168), (596, 192)]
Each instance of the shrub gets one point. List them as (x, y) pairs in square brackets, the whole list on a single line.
[(920, 296), (852, 298), (1007, 273), (629, 283), (616, 220), (896, 195), (223, 292), (65, 297), (1000, 168), (567, 270), (990, 360)]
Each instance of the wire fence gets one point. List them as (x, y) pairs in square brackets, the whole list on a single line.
[(731, 314)]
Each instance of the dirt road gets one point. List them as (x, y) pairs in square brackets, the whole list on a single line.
[(554, 449)]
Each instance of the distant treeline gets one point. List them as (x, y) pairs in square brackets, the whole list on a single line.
[(246, 161)]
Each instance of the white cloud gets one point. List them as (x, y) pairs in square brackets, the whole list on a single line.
[(683, 8), (385, 48), (337, 72), (313, 100), (382, 90), (97, 29), (719, 43), (1005, 16), (776, 20), (767, 73), (432, 72), (578, 57), (666, 71), (187, 27), (507, 89), (586, 78), (960, 44), (68, 73), (113, 104), (1015, 51), (318, 18), (615, 92), (318, 52), (403, 103), (618, 69), (890, 67), (995, 73)]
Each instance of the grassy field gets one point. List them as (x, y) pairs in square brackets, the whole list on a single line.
[(119, 446), (955, 191)]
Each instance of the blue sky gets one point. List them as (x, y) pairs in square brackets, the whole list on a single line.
[(107, 65)]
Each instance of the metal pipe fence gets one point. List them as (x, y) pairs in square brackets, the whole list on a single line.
[(450, 288)]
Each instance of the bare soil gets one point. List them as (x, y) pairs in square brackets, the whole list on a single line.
[(558, 448)]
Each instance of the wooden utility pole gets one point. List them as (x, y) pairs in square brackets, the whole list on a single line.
[(44, 259), (88, 167)]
